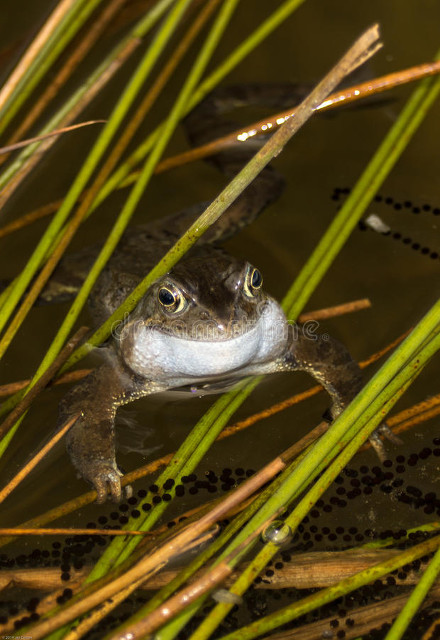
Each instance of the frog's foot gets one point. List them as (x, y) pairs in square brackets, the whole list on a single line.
[(376, 441), (384, 430), (105, 476), (378, 446)]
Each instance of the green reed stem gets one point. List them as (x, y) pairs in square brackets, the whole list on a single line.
[(91, 162), (370, 181), (237, 56), (387, 542), (55, 45), (137, 191), (324, 596), (415, 600), (295, 484), (408, 122), (410, 118), (201, 559), (220, 204), (271, 496), (139, 31)]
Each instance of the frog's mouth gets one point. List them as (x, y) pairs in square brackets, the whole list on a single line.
[(152, 353), (200, 389)]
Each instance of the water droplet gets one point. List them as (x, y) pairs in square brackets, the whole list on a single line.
[(223, 595), (277, 532)]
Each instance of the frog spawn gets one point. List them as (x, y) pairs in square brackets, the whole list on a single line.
[(356, 485), (395, 229)]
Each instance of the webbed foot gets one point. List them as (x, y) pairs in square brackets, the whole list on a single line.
[(384, 430), (375, 438), (106, 480), (378, 446), (377, 443)]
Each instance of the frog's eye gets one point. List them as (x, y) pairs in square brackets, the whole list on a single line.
[(171, 298), (252, 282)]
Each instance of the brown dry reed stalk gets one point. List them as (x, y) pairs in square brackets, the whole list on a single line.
[(35, 47), (74, 376), (57, 132), (159, 557), (407, 418), (80, 50), (310, 570), (24, 472), (92, 91), (202, 585), (334, 100), (339, 98)]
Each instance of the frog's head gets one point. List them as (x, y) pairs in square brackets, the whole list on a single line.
[(206, 317)]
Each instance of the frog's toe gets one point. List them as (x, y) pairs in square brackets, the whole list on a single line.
[(128, 491), (107, 482), (384, 430), (114, 487), (378, 446), (331, 413), (376, 442)]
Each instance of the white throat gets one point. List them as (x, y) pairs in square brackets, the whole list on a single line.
[(151, 353)]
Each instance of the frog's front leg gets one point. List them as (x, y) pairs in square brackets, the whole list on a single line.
[(331, 364), (91, 441), (328, 361)]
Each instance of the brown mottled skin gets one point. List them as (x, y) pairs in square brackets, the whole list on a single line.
[(208, 299)]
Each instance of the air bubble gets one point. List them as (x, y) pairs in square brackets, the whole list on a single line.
[(223, 595), (277, 532)]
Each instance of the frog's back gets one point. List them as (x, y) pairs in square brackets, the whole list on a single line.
[(138, 251), (141, 247)]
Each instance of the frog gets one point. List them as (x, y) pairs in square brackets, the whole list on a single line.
[(208, 321)]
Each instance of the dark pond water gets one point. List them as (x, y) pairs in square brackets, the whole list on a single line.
[(398, 275)]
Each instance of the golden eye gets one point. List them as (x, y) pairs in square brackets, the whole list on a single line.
[(253, 282), (171, 298)]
